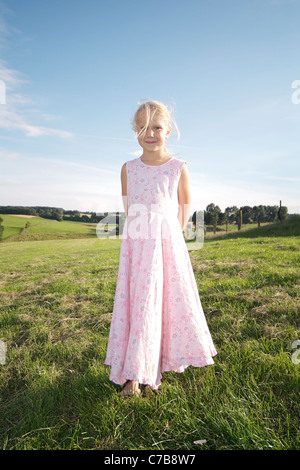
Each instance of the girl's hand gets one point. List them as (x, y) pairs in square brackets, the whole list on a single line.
[(184, 197), (124, 187)]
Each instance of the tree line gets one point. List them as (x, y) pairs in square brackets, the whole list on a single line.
[(55, 213), (244, 214), (212, 214)]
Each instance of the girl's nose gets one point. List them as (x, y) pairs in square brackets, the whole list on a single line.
[(149, 132)]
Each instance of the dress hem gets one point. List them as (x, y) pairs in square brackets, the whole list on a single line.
[(122, 379)]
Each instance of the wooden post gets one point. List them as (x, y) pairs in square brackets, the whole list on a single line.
[(240, 220), (279, 213)]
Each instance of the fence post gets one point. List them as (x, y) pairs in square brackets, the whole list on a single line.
[(279, 213), (240, 220)]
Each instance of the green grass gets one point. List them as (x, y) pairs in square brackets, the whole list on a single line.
[(13, 225), (43, 229), (56, 302)]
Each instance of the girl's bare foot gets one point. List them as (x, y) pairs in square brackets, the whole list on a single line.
[(131, 388)]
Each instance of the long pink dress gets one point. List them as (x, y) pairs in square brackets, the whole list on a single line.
[(158, 322)]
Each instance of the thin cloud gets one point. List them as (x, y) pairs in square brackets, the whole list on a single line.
[(11, 117), (64, 165), (102, 137), (284, 178), (12, 78), (8, 155)]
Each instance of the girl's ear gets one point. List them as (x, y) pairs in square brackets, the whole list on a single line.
[(168, 132)]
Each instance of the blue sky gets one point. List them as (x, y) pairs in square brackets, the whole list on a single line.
[(75, 70)]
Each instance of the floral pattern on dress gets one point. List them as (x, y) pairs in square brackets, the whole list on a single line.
[(158, 323)]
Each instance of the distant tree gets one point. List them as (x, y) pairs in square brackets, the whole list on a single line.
[(247, 214), (271, 213), (223, 218), (211, 214), (59, 214), (259, 214), (32, 211), (93, 218), (232, 213)]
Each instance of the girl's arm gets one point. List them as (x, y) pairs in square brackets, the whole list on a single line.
[(124, 187), (184, 197)]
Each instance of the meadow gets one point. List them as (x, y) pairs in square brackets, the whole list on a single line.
[(56, 297), (42, 229)]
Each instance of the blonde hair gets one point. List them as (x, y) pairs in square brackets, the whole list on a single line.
[(152, 108)]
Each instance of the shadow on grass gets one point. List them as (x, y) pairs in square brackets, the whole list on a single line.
[(48, 415)]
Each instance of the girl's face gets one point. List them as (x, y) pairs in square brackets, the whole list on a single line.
[(154, 137)]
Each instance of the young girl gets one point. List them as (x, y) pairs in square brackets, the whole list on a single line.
[(158, 323)]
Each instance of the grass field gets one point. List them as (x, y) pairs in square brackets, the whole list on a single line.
[(42, 229), (56, 302)]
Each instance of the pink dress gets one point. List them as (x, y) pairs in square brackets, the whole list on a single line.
[(158, 323)]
